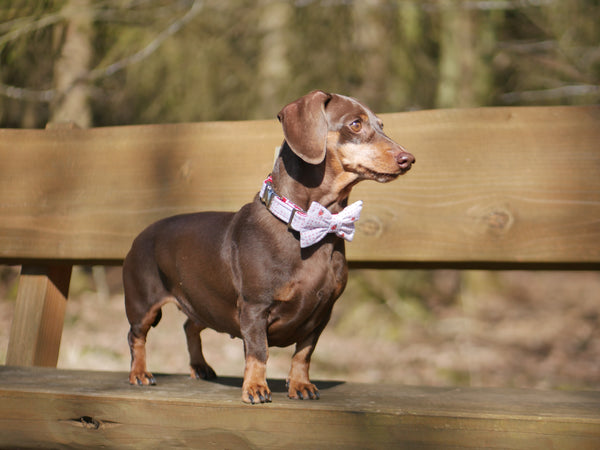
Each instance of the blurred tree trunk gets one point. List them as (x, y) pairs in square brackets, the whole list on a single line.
[(456, 57), (408, 58), (71, 103), (273, 66), (372, 47), (467, 41)]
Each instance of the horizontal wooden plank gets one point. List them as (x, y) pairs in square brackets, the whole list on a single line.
[(493, 185), (516, 185), (47, 407), (84, 194)]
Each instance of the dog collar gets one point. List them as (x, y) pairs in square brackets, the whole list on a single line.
[(314, 224)]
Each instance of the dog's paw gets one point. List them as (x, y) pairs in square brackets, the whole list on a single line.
[(142, 379), (301, 391), (203, 371), (258, 393)]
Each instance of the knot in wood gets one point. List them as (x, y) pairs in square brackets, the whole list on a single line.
[(86, 422), (370, 226), (498, 221), (186, 171), (492, 219)]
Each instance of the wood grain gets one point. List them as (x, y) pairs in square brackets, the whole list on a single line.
[(510, 185), (42, 407), (38, 320), (492, 185)]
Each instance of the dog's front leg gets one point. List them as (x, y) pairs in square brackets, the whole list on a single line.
[(298, 382), (253, 325)]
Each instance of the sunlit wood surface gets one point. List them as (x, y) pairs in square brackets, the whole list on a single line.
[(47, 407), (491, 185)]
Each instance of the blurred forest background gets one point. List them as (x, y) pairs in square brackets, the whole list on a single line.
[(109, 62)]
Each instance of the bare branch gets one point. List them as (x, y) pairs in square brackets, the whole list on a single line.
[(150, 48), (550, 94), (27, 94), (437, 5), (98, 73), (28, 25)]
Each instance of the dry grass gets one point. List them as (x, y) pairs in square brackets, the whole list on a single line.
[(534, 329)]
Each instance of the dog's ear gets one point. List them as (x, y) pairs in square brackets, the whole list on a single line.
[(305, 126)]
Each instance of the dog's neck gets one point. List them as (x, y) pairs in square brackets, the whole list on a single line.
[(304, 183)]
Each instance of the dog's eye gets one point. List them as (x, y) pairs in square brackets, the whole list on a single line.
[(356, 126)]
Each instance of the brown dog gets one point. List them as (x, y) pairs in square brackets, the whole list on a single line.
[(271, 272)]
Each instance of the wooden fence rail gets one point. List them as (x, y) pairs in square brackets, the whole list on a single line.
[(495, 185)]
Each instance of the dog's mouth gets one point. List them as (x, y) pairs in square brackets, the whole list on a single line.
[(404, 162), (384, 172), (383, 177), (380, 177)]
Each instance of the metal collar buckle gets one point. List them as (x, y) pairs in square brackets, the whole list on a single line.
[(268, 194), (289, 224)]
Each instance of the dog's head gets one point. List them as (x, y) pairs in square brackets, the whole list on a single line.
[(320, 122)]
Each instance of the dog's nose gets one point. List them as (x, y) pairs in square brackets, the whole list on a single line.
[(405, 160)]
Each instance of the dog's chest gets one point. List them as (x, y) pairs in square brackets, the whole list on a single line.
[(314, 280), (303, 301)]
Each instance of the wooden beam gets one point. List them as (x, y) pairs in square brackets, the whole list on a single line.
[(491, 185), (498, 186), (43, 407), (39, 315)]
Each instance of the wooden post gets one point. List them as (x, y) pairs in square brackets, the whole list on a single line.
[(39, 316)]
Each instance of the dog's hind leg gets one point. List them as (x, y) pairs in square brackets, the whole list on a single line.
[(198, 365), (138, 373), (144, 297), (140, 325)]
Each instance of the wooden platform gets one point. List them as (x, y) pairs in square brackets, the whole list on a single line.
[(47, 407)]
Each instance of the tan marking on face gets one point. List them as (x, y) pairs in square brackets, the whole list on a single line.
[(372, 161)]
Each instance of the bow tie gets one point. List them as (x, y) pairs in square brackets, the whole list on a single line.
[(315, 223), (319, 222)]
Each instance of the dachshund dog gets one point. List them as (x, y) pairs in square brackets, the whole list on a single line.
[(271, 272)]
